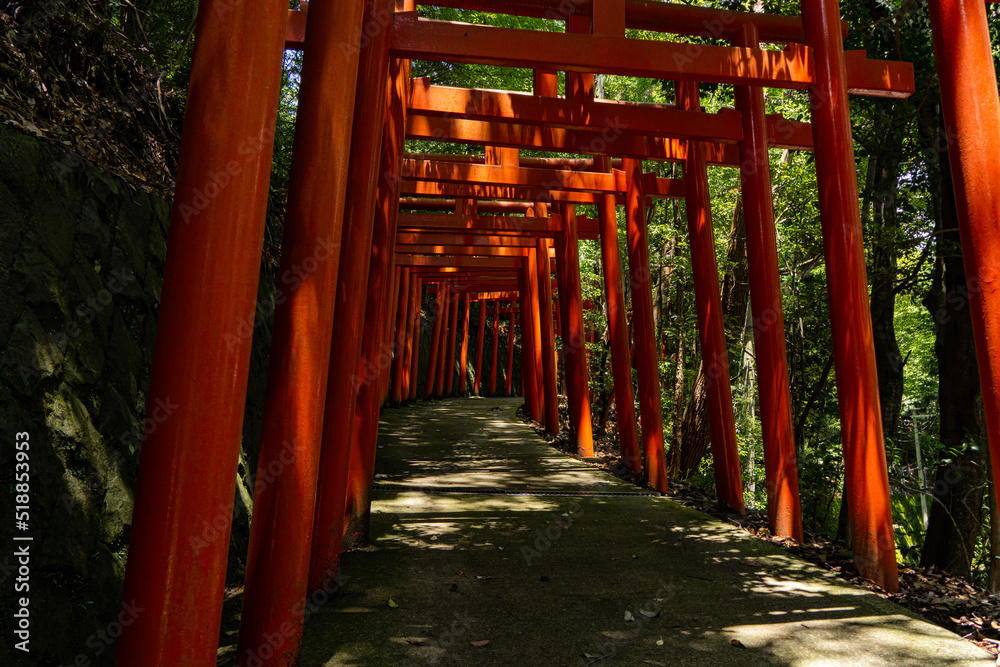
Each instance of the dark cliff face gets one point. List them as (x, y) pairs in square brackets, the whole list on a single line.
[(81, 262)]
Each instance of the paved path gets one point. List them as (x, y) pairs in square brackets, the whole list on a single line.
[(550, 579)]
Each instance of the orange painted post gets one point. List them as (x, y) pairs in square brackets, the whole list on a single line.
[(348, 326), (566, 211), (413, 338), (579, 86), (972, 120), (391, 330), (493, 349), (480, 336), (574, 347), (621, 362), (529, 385), (409, 378), (294, 411), (463, 355), (643, 328), (508, 379), (783, 509), (201, 361), (430, 379), (443, 351), (535, 308), (550, 397), (376, 355), (708, 304), (389, 333), (403, 311), (449, 369), (545, 83), (556, 316), (866, 478)]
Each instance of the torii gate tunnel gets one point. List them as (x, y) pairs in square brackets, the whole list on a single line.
[(478, 235)]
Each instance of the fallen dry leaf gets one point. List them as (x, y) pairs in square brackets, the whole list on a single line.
[(481, 642), (416, 642), (649, 614), (737, 643)]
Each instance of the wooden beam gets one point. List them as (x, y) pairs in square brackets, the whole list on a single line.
[(610, 118), (793, 68)]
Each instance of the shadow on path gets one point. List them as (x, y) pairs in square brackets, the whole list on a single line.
[(549, 580)]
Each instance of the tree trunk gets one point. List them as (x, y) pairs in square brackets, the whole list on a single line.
[(693, 442), (956, 511), (678, 410), (883, 182)]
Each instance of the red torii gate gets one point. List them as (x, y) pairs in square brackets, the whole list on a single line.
[(341, 232)]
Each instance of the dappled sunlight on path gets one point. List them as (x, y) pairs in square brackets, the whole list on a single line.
[(551, 579)]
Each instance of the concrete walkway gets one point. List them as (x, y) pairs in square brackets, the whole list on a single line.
[(551, 579)]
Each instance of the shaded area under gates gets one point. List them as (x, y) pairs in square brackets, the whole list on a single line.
[(548, 579)]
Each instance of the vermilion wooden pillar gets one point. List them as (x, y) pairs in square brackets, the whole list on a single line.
[(550, 398), (480, 336), (430, 377), (399, 383), (389, 333), (463, 355), (643, 327), (529, 387), (972, 120), (447, 332), (866, 478), (621, 363), (376, 356), (393, 332), (574, 347), (413, 338), (556, 313), (201, 362), (545, 83), (449, 369), (535, 331), (508, 379), (493, 349), (579, 86), (295, 407), (565, 211), (348, 325), (783, 510), (708, 303), (409, 380)]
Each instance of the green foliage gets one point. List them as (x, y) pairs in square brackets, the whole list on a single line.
[(885, 29)]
